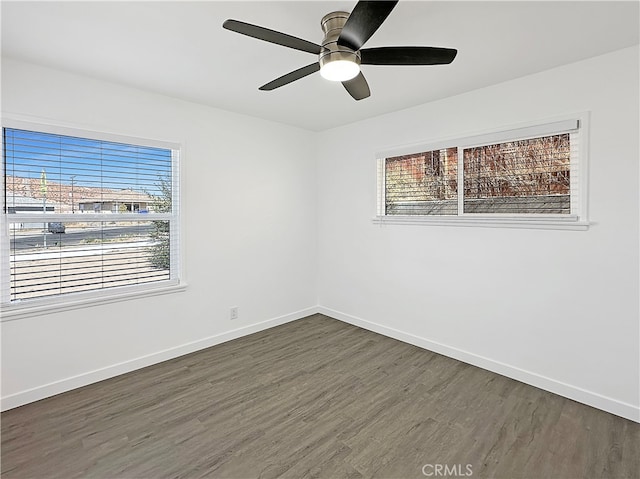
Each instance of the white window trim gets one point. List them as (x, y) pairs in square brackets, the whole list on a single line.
[(71, 301), (578, 221), (44, 306)]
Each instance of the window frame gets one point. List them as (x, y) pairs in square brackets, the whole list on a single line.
[(577, 220), (38, 306)]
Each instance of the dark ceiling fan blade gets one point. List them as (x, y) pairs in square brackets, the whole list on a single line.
[(363, 22), (291, 77), (272, 36), (357, 87), (407, 56)]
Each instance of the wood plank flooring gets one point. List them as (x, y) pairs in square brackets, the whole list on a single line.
[(315, 398)]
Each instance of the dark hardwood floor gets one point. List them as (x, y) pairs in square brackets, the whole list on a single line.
[(315, 398)]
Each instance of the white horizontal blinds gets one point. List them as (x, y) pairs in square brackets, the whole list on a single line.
[(519, 177), (173, 229), (526, 171), (380, 175), (87, 215), (424, 183), (87, 257), (529, 176), (82, 175), (576, 173), (531, 171)]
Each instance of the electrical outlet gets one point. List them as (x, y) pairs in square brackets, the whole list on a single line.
[(233, 313)]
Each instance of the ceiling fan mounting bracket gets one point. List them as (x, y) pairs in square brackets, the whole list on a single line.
[(332, 24)]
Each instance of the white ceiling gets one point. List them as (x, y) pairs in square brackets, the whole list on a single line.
[(180, 49)]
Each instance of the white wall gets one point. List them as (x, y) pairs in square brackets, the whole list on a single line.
[(557, 309), (249, 226)]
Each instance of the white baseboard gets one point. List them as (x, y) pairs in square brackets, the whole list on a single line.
[(619, 408), (67, 384)]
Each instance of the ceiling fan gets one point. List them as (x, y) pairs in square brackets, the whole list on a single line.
[(341, 52)]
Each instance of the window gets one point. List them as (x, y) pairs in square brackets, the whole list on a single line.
[(86, 217), (527, 175), (422, 183)]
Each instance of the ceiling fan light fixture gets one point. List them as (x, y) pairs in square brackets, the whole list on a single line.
[(337, 63), (339, 70)]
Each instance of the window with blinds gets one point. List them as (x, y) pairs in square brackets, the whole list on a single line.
[(422, 183), (86, 215), (517, 177), (528, 173)]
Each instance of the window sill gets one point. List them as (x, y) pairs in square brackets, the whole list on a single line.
[(15, 311), (547, 223)]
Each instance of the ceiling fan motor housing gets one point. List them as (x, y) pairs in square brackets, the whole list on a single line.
[(332, 24)]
